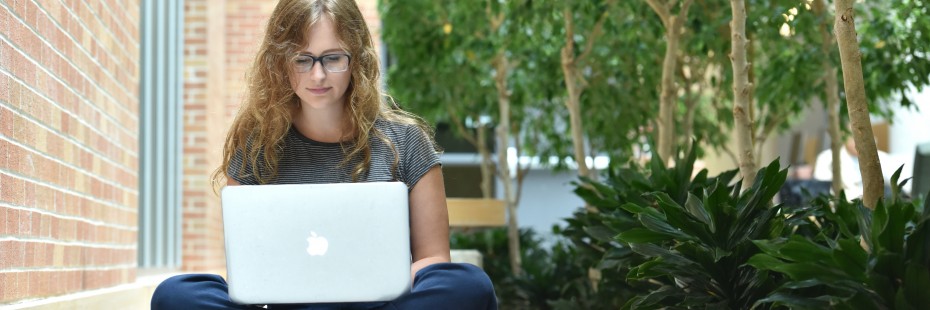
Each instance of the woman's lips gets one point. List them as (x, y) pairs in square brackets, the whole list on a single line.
[(319, 91)]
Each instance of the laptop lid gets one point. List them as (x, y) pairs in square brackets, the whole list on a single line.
[(314, 243)]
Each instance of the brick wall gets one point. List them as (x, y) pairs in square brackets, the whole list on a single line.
[(69, 78), (205, 120), (221, 38)]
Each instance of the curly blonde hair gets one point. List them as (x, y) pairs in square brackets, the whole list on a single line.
[(266, 113)]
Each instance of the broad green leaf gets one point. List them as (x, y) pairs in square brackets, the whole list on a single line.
[(660, 226), (794, 301), (799, 249), (851, 257), (601, 233), (640, 235), (696, 209), (764, 261), (916, 285)]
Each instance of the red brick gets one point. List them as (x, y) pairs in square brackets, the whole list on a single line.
[(6, 118), (3, 215), (3, 286), (12, 221), (54, 230), (46, 226), (6, 255), (24, 223), (18, 250), (6, 290), (29, 257), (29, 193)]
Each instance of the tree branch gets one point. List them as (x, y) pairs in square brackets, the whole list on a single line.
[(521, 171), (496, 20), (595, 33), (662, 10), (461, 127), (683, 13)]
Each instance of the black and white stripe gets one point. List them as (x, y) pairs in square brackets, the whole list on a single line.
[(303, 160)]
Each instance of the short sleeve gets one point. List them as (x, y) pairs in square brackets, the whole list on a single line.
[(418, 157), (241, 171)]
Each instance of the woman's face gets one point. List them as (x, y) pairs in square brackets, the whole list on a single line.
[(321, 71)]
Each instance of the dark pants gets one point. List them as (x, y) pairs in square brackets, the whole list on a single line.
[(437, 286)]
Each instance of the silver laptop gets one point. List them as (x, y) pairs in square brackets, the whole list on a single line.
[(317, 243)]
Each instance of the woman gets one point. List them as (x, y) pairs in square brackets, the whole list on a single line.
[(315, 114)]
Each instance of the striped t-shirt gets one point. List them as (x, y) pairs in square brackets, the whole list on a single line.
[(302, 160)]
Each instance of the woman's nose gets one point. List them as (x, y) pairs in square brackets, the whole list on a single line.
[(317, 72)]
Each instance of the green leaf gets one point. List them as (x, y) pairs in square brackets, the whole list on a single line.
[(799, 249), (632, 208), (851, 258), (640, 235), (810, 270), (794, 301), (770, 247), (600, 232), (918, 243), (678, 218), (916, 285), (660, 226), (653, 299), (900, 301), (764, 261), (696, 209)]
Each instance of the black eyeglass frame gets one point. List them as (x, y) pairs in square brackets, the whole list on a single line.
[(314, 60)]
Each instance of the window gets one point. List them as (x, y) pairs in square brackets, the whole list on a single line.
[(160, 134)]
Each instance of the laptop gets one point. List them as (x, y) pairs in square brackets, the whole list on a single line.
[(317, 243)]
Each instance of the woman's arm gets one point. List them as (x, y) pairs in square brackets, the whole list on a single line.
[(231, 182), (429, 221)]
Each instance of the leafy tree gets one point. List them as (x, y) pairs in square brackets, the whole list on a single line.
[(667, 103), (575, 82)]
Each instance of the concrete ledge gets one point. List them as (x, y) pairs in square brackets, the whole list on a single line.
[(136, 295), (467, 256)]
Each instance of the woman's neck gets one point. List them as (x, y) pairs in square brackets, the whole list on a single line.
[(321, 125)]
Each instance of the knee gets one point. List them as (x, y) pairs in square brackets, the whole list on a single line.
[(177, 291), (476, 280), (471, 282)]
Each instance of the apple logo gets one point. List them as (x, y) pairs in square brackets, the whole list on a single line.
[(316, 245)]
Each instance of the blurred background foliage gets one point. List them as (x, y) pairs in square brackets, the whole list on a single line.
[(653, 236)]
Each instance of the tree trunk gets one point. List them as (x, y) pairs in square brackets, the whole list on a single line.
[(694, 79), (833, 97), (741, 91), (869, 166), (487, 165), (668, 94), (691, 106), (665, 140), (573, 86), (503, 164)]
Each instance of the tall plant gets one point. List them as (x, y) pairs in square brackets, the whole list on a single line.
[(699, 248), (592, 231), (826, 264)]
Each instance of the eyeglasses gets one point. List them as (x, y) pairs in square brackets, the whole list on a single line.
[(332, 63)]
